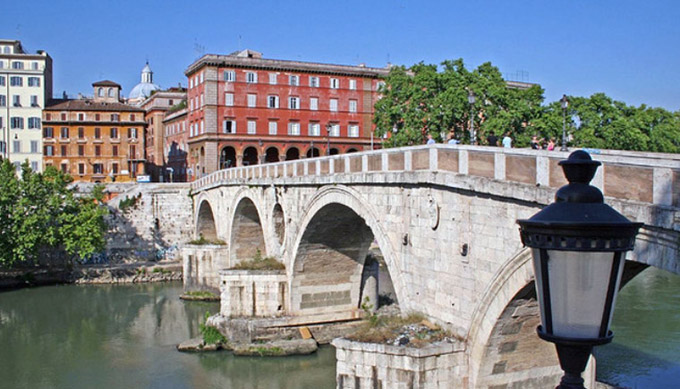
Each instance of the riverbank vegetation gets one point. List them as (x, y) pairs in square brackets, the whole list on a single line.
[(429, 99), (44, 222)]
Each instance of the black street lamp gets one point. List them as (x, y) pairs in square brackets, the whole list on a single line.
[(328, 138), (564, 103), (471, 100), (578, 245)]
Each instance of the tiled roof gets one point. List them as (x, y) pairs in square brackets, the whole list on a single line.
[(88, 105), (106, 83)]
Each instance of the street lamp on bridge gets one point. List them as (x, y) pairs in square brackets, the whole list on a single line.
[(564, 102), (471, 100), (329, 127), (578, 245)]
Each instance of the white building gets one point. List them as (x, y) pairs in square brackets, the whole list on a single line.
[(25, 88)]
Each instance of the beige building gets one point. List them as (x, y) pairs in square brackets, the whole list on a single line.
[(25, 88)]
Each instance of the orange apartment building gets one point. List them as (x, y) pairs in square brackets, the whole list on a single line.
[(95, 140)]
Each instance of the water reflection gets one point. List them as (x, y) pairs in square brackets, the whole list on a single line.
[(645, 352), (124, 336)]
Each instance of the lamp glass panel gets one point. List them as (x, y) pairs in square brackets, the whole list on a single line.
[(579, 281)]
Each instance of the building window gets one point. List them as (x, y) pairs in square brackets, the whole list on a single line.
[(113, 133), (63, 117), (229, 99), (252, 126), (3, 101), (335, 83), (34, 166), (64, 168), (34, 146), (33, 81), (273, 78), (114, 168), (132, 133), (334, 105), (114, 150), (335, 130), (352, 84), (133, 152), (132, 118), (34, 65), (229, 75), (98, 168), (81, 117), (252, 99), (110, 92), (313, 103), (33, 123), (314, 129), (272, 101), (273, 127), (17, 123), (115, 117), (16, 146), (251, 78), (81, 133), (293, 80), (314, 81), (97, 133), (293, 103), (229, 126), (353, 130), (16, 100), (294, 128), (81, 150), (379, 85), (48, 132), (97, 150), (81, 168), (34, 101), (353, 106), (49, 150), (97, 117), (100, 92), (2, 80), (64, 150), (17, 65)]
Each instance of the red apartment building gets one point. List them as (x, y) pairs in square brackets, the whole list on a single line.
[(244, 109)]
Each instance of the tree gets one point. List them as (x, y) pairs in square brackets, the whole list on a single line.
[(42, 220)]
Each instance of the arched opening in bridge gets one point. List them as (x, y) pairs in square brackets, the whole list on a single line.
[(247, 236), (338, 267), (205, 223), (279, 222), (313, 152), (271, 155), (250, 156), (292, 154), (352, 150), (227, 157), (334, 151)]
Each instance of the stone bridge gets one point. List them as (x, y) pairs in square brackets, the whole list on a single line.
[(443, 217)]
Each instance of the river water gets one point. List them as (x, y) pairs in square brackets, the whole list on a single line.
[(124, 336)]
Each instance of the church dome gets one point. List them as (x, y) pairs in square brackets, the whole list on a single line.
[(144, 89)]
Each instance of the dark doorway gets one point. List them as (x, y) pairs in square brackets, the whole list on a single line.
[(227, 158), (250, 156)]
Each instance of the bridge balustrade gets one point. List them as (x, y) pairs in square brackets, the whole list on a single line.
[(643, 177)]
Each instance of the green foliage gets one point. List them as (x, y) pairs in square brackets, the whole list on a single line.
[(203, 241), (129, 202), (210, 334), (259, 263), (429, 99), (202, 294), (41, 219)]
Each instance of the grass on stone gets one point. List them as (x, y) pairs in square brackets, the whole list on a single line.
[(259, 263), (210, 334), (203, 241), (201, 294), (386, 329)]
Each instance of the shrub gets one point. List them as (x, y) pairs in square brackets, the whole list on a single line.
[(203, 241), (210, 334), (259, 263)]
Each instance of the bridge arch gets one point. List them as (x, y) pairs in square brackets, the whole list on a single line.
[(246, 232), (327, 260), (205, 221)]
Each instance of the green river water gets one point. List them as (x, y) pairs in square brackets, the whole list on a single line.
[(124, 336)]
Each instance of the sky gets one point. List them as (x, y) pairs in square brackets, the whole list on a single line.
[(628, 50)]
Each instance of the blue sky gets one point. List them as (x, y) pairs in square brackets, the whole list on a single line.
[(628, 50)]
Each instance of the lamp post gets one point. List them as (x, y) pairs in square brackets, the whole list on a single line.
[(471, 100), (578, 246), (328, 138), (564, 103)]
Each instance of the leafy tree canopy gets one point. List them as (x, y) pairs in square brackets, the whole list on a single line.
[(41, 219)]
